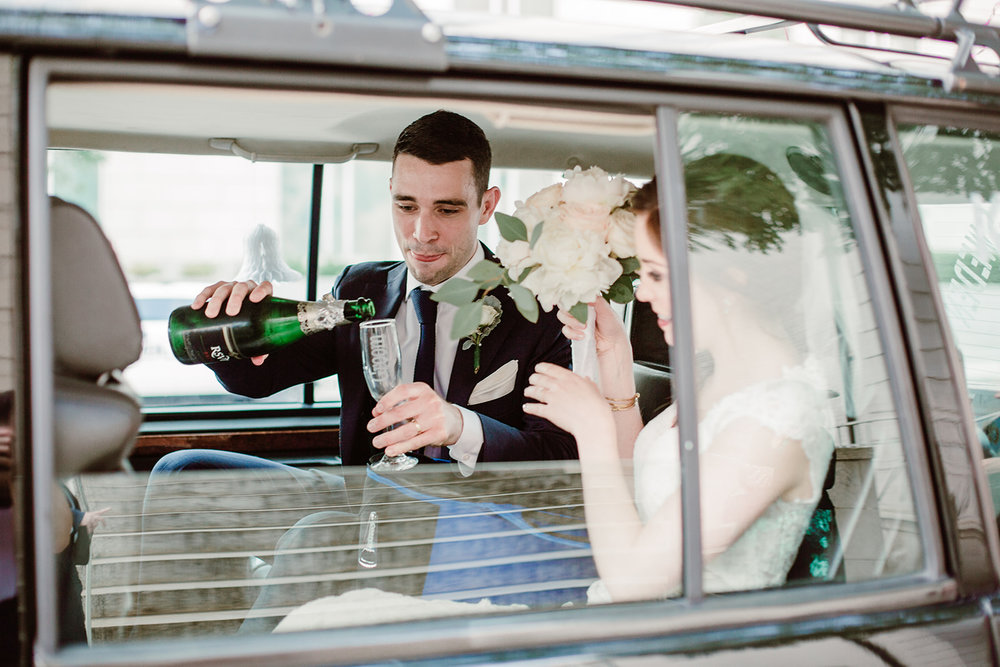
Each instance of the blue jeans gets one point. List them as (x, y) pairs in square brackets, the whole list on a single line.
[(227, 505)]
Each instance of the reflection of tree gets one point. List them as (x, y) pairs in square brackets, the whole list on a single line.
[(962, 163), (952, 160), (737, 201)]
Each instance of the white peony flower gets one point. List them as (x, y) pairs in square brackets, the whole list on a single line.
[(594, 188), (547, 198), (515, 255), (574, 267), (620, 233), (541, 206)]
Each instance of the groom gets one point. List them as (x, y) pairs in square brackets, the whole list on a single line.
[(449, 410), (440, 196)]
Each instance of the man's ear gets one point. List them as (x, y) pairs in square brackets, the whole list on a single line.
[(490, 200)]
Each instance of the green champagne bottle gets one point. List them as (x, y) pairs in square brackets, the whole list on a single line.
[(259, 328)]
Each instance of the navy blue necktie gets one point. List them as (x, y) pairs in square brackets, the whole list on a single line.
[(426, 308)]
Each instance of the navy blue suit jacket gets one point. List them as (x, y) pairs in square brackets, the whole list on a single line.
[(509, 434)]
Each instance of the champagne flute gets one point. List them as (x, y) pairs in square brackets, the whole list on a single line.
[(383, 371)]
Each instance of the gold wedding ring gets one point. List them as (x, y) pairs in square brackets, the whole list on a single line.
[(417, 424)]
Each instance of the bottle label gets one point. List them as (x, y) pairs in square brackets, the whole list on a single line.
[(215, 344)]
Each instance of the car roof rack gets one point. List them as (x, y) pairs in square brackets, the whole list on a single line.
[(903, 19)]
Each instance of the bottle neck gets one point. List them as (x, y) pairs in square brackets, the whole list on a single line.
[(320, 315)]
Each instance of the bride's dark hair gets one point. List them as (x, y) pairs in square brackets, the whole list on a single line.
[(743, 230), (732, 200)]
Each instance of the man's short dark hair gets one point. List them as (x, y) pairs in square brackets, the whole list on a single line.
[(445, 136)]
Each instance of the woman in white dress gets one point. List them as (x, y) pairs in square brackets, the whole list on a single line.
[(763, 439)]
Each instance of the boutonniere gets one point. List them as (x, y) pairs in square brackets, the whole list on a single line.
[(488, 320)]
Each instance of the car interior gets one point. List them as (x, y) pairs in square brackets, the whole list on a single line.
[(317, 126)]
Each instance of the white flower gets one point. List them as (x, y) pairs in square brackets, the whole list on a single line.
[(490, 316), (515, 255), (574, 267), (594, 188), (575, 257), (620, 233), (541, 206), (546, 198)]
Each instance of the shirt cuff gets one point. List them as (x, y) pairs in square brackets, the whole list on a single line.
[(470, 442)]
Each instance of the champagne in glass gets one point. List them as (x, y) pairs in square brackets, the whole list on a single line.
[(383, 371)]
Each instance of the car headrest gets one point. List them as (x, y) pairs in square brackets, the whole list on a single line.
[(95, 425), (95, 325), (653, 383)]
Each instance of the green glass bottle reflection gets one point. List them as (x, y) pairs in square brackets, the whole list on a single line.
[(259, 328)]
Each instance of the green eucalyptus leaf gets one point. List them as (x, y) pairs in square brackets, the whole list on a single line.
[(487, 271), (527, 272), (457, 291), (525, 302), (466, 320), (579, 311), (511, 228), (620, 290), (629, 264), (536, 233), (467, 344)]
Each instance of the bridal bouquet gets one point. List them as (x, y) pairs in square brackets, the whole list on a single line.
[(565, 246)]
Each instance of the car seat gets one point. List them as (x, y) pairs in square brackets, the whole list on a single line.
[(96, 333)]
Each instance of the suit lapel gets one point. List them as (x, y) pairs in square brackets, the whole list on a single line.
[(388, 302), (463, 375)]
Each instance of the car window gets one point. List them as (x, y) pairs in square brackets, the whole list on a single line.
[(791, 277), (222, 548), (953, 170)]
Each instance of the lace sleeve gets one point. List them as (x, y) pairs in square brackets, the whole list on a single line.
[(794, 410)]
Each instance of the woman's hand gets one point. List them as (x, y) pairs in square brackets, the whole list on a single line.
[(609, 332), (570, 401), (614, 351)]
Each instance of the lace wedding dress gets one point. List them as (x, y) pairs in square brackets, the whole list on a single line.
[(794, 408)]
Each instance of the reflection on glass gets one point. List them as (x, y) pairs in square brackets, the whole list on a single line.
[(788, 356), (802, 473), (955, 173)]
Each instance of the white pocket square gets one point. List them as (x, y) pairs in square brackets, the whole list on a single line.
[(498, 383)]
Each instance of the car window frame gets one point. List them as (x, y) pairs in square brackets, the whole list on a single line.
[(836, 121), (660, 619), (910, 245)]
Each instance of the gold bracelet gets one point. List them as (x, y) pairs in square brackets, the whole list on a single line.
[(619, 404)]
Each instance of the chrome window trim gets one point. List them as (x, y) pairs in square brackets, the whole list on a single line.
[(675, 241), (41, 366)]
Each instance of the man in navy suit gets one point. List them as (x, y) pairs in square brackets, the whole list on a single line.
[(440, 196)]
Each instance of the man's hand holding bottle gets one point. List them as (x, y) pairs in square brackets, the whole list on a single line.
[(232, 293)]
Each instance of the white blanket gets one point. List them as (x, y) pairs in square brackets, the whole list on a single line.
[(371, 605)]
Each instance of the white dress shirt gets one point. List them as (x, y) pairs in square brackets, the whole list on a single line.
[(470, 442)]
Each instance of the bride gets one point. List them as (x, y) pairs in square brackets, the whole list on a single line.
[(764, 448)]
